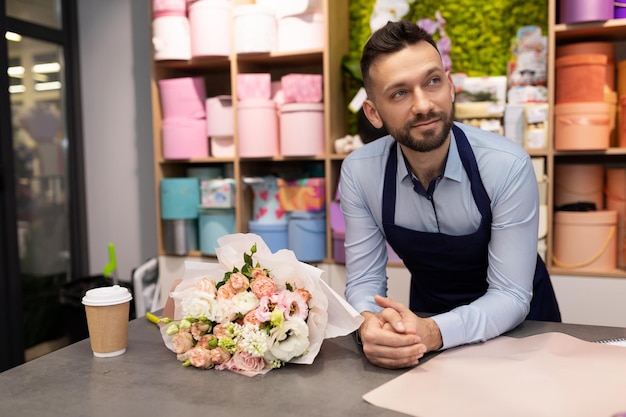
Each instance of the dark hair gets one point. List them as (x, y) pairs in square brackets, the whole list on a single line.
[(392, 37)]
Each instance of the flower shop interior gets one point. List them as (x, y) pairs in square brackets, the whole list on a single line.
[(104, 192)]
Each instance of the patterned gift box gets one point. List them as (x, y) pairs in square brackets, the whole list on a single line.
[(218, 193), (302, 88), (304, 194), (254, 86)]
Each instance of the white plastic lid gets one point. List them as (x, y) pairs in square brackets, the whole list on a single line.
[(107, 296)]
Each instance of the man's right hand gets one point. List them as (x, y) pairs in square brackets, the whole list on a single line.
[(388, 342)]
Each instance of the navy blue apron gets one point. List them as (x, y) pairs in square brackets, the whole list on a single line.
[(448, 271)]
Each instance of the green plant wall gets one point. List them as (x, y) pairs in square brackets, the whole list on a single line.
[(481, 32)]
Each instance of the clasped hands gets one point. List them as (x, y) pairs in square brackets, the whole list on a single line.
[(395, 337)]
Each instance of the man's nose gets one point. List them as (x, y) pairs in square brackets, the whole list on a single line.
[(422, 103)]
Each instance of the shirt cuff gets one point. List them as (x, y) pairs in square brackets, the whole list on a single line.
[(370, 306), (451, 328)]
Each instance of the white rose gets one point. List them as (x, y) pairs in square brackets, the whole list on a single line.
[(245, 301), (196, 307), (288, 341)]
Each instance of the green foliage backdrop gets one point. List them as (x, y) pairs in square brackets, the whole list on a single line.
[(481, 31)]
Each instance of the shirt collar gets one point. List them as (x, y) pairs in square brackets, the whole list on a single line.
[(453, 167)]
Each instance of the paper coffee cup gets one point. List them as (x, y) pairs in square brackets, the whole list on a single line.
[(107, 310)]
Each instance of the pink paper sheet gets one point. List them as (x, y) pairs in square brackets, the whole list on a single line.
[(551, 375)]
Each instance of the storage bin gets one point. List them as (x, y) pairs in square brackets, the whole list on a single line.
[(574, 11), (580, 78), (582, 126), (616, 200), (210, 31), (304, 194), (622, 122), (171, 38), (339, 251), (306, 234), (214, 223), (585, 48), (576, 183), (302, 129), (205, 173), (179, 198), (183, 98), (273, 234), (257, 123), (619, 9), (217, 193), (180, 236), (300, 32), (184, 139), (219, 116), (337, 221), (255, 28), (266, 206), (585, 241)]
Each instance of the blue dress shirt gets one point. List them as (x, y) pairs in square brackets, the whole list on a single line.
[(509, 179)]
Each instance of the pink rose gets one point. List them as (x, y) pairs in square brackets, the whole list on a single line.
[(205, 285), (205, 340), (200, 358), (258, 273), (182, 341), (245, 361), (305, 294), (263, 287), (198, 329), (219, 331), (225, 292), (251, 318), (219, 355), (238, 282)]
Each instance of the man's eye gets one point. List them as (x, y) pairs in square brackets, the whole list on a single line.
[(434, 81), (398, 94)]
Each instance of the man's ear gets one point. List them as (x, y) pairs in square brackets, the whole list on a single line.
[(372, 114), (452, 87)]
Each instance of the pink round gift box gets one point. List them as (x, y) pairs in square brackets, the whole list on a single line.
[(302, 129), (210, 27), (257, 126)]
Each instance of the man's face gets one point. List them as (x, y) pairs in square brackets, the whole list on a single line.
[(412, 97)]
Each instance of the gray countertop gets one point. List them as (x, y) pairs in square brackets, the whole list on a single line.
[(148, 381)]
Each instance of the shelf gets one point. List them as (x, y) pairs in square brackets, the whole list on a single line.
[(204, 64), (617, 273), (313, 56), (609, 30), (220, 75), (209, 160)]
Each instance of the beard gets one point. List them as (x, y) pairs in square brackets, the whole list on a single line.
[(431, 139)]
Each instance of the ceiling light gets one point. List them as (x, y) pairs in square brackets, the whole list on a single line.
[(12, 36), (47, 68), (16, 72), (16, 89), (52, 85)]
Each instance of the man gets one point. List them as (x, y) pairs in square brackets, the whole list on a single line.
[(458, 204)]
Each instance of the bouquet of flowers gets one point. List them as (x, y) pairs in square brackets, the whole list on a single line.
[(253, 311)]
